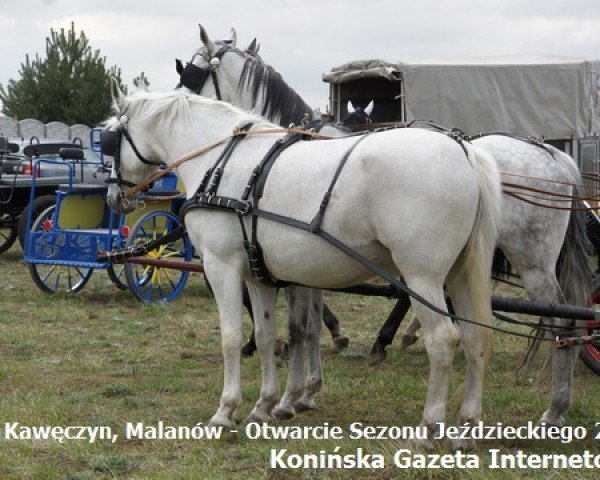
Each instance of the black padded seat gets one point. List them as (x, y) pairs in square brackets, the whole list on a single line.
[(84, 188), (153, 192)]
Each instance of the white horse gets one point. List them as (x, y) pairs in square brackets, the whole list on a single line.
[(416, 203), (540, 243)]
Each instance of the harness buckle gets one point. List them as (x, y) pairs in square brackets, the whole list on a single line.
[(245, 210), (458, 135), (535, 140)]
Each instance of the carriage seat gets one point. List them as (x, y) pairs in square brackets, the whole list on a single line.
[(84, 188)]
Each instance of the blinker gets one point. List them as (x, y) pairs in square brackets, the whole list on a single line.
[(110, 142), (193, 77)]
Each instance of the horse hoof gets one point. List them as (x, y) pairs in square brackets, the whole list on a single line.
[(340, 343), (408, 340), (219, 421), (552, 421), (304, 405), (283, 413), (377, 357), (256, 417)]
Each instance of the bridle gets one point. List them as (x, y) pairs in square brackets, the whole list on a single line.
[(110, 143), (194, 77)]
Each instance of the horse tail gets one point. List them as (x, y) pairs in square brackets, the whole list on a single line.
[(478, 253), (573, 269)]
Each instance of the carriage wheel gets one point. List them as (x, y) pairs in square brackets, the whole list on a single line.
[(590, 354), (39, 205), (117, 275), (8, 232), (156, 284), (53, 278)]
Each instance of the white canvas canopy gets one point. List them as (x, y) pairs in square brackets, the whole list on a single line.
[(546, 96)]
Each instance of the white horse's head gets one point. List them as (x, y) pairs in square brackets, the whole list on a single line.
[(220, 70), (128, 140), (215, 69)]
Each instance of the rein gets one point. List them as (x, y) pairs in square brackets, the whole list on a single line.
[(207, 148)]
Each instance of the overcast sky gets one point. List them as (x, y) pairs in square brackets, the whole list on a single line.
[(301, 39)]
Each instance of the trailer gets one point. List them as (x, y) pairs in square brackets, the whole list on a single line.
[(554, 98)]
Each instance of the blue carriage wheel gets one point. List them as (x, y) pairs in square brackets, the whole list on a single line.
[(53, 278), (116, 273), (157, 283)]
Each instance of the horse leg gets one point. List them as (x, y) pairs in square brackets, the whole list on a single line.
[(542, 286), (340, 342), (441, 339), (250, 347), (263, 303), (388, 330), (298, 301), (476, 343), (314, 374), (227, 288), (410, 335)]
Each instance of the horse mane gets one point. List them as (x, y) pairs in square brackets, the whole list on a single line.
[(281, 103), (163, 109)]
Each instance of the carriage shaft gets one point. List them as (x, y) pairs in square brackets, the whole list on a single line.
[(164, 263), (502, 304)]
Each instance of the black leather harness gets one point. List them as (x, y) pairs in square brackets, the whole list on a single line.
[(248, 204)]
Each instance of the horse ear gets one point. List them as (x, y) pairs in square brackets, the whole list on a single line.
[(178, 66), (206, 40), (252, 47), (232, 37), (350, 107), (118, 96), (369, 108)]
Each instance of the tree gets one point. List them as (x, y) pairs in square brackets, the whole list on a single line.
[(71, 85)]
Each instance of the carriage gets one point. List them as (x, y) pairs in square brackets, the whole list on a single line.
[(64, 239)]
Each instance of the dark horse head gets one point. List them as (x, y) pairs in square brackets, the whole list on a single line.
[(358, 116)]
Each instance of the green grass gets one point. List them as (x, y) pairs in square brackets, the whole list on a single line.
[(100, 358)]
